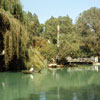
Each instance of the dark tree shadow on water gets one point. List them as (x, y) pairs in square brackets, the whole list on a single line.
[(30, 97)]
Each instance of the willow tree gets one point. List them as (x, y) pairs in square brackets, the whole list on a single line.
[(15, 37), (14, 7)]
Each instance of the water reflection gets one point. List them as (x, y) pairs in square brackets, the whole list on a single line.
[(42, 96), (3, 84), (75, 96), (49, 85), (90, 68)]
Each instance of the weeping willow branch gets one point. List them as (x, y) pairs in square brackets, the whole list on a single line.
[(15, 36)]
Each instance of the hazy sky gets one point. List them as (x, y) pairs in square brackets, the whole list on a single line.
[(47, 8)]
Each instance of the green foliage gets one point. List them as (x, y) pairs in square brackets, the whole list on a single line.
[(88, 27), (69, 44), (14, 7), (20, 30), (15, 36), (49, 51), (65, 23), (1, 43), (42, 29), (46, 49), (35, 59), (35, 25), (88, 21), (32, 23)]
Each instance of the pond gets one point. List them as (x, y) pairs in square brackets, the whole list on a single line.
[(50, 85)]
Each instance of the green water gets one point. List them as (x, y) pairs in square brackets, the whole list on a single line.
[(51, 85)]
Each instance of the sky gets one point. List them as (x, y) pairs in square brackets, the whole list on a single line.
[(47, 8)]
